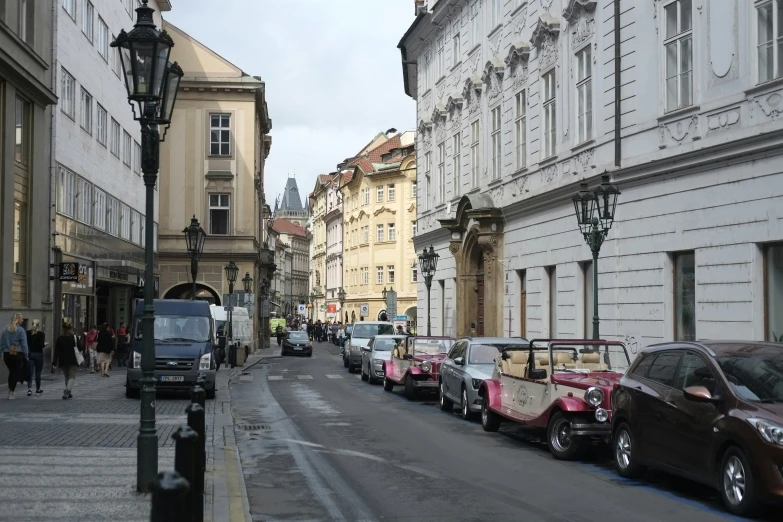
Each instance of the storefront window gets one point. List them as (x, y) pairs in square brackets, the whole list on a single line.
[(685, 296), (774, 293)]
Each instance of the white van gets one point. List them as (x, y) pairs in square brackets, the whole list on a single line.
[(242, 324)]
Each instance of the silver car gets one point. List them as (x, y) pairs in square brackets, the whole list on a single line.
[(375, 355), (470, 361), (361, 334)]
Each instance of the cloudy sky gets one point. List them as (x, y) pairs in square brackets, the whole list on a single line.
[(332, 71)]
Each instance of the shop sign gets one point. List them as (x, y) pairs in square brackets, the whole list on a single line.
[(69, 271), (84, 281), (331, 309)]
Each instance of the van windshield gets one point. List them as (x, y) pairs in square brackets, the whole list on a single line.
[(365, 331), (178, 328)]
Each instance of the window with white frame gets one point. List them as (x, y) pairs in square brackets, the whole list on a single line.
[(549, 109), (219, 209), (366, 200), (379, 193), (494, 16), (136, 157), (135, 221), (379, 234), (440, 59), (769, 40), (99, 214), (414, 273), (116, 64), (379, 275), (102, 122), (70, 8), (125, 222), (456, 151), (68, 94), (442, 172), (84, 201), (127, 148), (679, 54), (390, 274), (390, 191), (24, 18), (88, 12), (103, 39), (86, 115), (475, 25), (366, 275), (584, 96), (425, 74), (365, 234), (142, 235), (475, 137), (520, 129), (128, 6), (67, 193), (115, 137), (414, 228), (220, 135), (392, 232), (113, 216), (497, 159), (456, 46)]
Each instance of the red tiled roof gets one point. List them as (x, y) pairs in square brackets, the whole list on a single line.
[(283, 226)]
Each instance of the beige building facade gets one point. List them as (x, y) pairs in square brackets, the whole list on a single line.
[(318, 247)]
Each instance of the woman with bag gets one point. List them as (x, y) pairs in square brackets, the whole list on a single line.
[(13, 346), (36, 340), (105, 349), (67, 357)]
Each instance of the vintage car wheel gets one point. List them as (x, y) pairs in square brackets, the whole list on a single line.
[(490, 420), (365, 376), (410, 391), (445, 403), (737, 485), (388, 385), (624, 456), (562, 444), (465, 405)]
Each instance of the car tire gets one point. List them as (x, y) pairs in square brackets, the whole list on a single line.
[(737, 486), (345, 363), (388, 385), (623, 447), (365, 376), (465, 412), (211, 393), (490, 420), (446, 404), (410, 391), (130, 393), (562, 445), (310, 354), (371, 379)]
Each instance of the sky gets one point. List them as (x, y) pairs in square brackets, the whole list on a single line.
[(332, 71)]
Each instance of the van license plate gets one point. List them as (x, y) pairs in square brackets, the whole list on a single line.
[(172, 378)]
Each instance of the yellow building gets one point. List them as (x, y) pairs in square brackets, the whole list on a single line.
[(317, 231), (379, 220)]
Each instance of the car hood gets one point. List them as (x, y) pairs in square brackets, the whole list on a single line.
[(584, 381), (773, 411), (480, 372), (381, 356)]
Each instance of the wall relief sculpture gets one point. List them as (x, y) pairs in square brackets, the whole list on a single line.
[(674, 133), (544, 39)]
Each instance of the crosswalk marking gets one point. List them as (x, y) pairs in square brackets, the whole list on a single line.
[(334, 376), (304, 376), (275, 377)]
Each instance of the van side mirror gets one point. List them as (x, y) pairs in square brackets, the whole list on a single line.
[(537, 374)]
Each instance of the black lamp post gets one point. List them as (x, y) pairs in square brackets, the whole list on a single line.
[(428, 263), (232, 270), (194, 238), (152, 84), (264, 289), (595, 215), (385, 294), (341, 298), (312, 305)]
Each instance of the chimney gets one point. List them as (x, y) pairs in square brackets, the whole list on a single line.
[(420, 6)]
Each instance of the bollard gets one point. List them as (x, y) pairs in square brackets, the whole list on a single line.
[(199, 396), (185, 463), (168, 497), (196, 423)]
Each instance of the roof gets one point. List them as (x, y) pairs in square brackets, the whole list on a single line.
[(742, 348), (365, 162), (291, 201), (283, 226)]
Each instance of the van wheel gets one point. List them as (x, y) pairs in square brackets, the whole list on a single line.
[(345, 362), (130, 393), (211, 393), (737, 485)]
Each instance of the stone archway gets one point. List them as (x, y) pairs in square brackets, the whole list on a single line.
[(185, 290)]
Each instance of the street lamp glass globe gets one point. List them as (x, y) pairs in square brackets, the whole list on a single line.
[(584, 205), (606, 198), (195, 237), (247, 281), (231, 272)]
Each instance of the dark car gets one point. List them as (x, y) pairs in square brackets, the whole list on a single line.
[(709, 411), (297, 343)]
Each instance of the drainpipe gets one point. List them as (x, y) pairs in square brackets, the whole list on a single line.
[(54, 252), (617, 85)]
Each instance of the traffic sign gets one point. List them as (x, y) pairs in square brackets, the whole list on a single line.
[(302, 308), (365, 310), (228, 308)]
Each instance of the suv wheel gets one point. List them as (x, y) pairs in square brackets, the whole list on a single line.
[(490, 420), (562, 444), (445, 402), (130, 393), (737, 486), (624, 456)]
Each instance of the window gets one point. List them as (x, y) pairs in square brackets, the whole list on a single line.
[(549, 109), (68, 94), (86, 111), (642, 365), (219, 214), (390, 273), (679, 55), (112, 216), (128, 6), (440, 60), (663, 368), (87, 19), (497, 165), (774, 292), (552, 271), (587, 272), (414, 273), (103, 132), (494, 20), (425, 74), (365, 275), (392, 232), (116, 65), (379, 193), (456, 150), (474, 153), (769, 45), (22, 132), (220, 135), (584, 96), (379, 234), (136, 157), (20, 237), (127, 148), (115, 137), (135, 220), (442, 172), (84, 202), (456, 52), (70, 7), (414, 228), (24, 18), (99, 216), (520, 129), (475, 26), (685, 296), (125, 222), (694, 372), (366, 197), (67, 193), (390, 190), (103, 39), (379, 275), (366, 234)]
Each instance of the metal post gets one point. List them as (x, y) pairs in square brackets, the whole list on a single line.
[(196, 420), (230, 311), (198, 395), (194, 273), (185, 464), (596, 335), (147, 451), (197, 423), (168, 497), (428, 283)]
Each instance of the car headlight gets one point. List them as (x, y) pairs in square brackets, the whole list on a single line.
[(426, 366), (476, 383), (136, 360), (594, 397), (601, 415), (768, 430), (205, 362), (378, 363)]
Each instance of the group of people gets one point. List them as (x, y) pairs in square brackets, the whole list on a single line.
[(23, 352)]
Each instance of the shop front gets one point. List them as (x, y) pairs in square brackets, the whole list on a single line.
[(77, 291)]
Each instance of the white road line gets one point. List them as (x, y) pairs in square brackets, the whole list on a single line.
[(334, 376), (275, 377), (304, 377)]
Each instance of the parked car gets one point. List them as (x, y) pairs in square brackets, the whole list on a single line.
[(415, 364), (375, 355), (466, 366), (562, 386), (710, 411), (296, 342), (361, 333)]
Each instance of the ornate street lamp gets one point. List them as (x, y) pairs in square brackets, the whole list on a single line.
[(595, 215), (428, 263), (194, 239), (247, 282), (312, 305), (232, 271), (385, 294), (152, 84), (341, 297)]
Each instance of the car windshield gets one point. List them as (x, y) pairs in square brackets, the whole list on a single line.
[(178, 328), (365, 331), (384, 345), (432, 346), (755, 378), (298, 336), (485, 353)]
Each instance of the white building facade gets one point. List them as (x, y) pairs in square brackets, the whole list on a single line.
[(517, 104), (334, 247)]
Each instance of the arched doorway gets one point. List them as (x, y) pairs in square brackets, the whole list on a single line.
[(185, 291), (412, 315)]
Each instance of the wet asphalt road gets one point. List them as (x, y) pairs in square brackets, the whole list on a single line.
[(317, 443)]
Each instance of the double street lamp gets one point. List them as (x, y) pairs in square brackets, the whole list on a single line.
[(194, 238), (595, 214), (152, 84), (232, 271), (341, 298), (428, 263), (247, 282)]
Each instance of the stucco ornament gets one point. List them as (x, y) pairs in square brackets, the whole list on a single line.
[(517, 62), (472, 93), (493, 77), (544, 39), (770, 105)]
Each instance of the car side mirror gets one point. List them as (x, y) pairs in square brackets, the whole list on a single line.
[(700, 394), (366, 349), (408, 356), (459, 361), (537, 374)]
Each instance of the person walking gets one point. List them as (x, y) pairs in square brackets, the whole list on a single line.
[(340, 336), (65, 350), (105, 349), (36, 340), (122, 345), (13, 346), (90, 343)]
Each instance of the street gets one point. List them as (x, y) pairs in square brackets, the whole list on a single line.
[(317, 443)]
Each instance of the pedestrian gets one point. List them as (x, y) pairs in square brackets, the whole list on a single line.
[(279, 334), (105, 349), (113, 345), (65, 356), (90, 343), (122, 345), (13, 346), (36, 340), (340, 335)]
